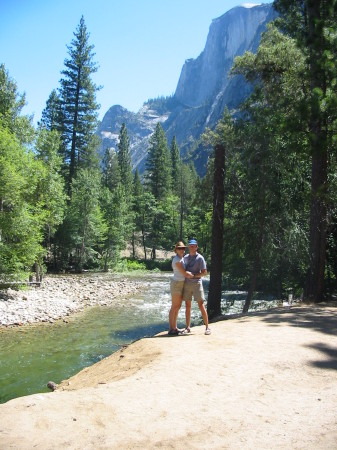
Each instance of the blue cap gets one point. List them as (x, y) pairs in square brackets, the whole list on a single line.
[(192, 242)]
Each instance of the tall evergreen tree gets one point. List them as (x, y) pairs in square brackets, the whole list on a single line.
[(158, 165), (51, 189), (87, 227), (178, 185), (111, 170), (124, 160), (176, 163), (144, 206), (78, 101), (313, 24), (52, 114)]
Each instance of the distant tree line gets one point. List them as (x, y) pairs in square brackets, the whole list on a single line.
[(265, 212)]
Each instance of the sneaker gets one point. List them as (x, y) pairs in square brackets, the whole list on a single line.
[(187, 330), (208, 331), (175, 332)]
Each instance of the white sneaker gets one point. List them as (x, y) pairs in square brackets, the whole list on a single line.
[(208, 331)]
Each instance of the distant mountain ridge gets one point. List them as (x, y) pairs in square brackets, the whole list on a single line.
[(202, 93)]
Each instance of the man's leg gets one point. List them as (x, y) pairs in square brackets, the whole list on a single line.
[(203, 313), (188, 304)]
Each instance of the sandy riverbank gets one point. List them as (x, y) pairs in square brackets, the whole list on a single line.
[(262, 381), (59, 296)]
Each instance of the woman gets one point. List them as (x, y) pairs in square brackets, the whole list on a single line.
[(177, 286)]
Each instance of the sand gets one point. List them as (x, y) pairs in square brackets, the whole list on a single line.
[(266, 380)]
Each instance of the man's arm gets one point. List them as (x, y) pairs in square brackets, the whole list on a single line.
[(201, 274)]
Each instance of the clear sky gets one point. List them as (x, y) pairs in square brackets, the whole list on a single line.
[(140, 45)]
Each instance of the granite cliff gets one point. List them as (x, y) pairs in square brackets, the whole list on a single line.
[(204, 89)]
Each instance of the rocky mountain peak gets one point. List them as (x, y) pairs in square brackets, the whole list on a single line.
[(203, 91)]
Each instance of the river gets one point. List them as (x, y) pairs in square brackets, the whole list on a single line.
[(33, 355)]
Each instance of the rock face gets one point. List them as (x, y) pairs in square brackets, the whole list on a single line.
[(203, 91), (139, 126)]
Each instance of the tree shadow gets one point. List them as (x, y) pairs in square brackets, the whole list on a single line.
[(316, 318), (330, 361)]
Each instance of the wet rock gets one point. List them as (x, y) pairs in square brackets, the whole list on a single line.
[(52, 386)]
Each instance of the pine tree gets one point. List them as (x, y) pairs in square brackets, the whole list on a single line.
[(124, 160), (111, 170), (52, 114), (51, 188), (78, 101), (176, 163), (158, 165), (138, 192), (84, 224)]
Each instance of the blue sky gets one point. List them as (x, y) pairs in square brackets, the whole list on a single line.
[(140, 45)]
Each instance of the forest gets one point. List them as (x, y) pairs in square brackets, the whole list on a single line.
[(264, 214)]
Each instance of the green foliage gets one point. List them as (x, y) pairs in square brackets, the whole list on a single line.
[(11, 102), (84, 222), (51, 186), (267, 186), (23, 206), (129, 265), (158, 265)]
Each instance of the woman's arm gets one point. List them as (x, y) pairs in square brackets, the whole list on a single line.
[(183, 271), (201, 274)]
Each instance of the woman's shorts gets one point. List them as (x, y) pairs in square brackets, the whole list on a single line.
[(177, 287), (195, 290)]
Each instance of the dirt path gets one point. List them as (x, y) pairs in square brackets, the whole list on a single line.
[(262, 381)]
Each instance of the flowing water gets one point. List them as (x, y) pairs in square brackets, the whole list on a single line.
[(32, 355)]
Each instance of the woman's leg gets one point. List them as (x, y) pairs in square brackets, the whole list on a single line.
[(174, 311)]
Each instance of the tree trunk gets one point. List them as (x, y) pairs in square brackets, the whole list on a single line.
[(133, 245), (182, 198), (74, 134), (37, 272), (314, 288), (144, 246), (215, 285)]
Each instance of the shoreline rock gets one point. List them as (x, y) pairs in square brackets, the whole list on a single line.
[(60, 296)]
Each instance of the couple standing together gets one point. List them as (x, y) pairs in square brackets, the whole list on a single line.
[(185, 284)]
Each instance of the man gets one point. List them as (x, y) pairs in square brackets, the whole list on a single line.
[(196, 264)]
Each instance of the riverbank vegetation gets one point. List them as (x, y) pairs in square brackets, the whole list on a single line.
[(264, 213)]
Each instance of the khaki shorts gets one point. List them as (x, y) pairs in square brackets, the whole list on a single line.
[(194, 290), (177, 287)]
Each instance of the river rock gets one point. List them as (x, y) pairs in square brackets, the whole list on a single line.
[(60, 296)]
